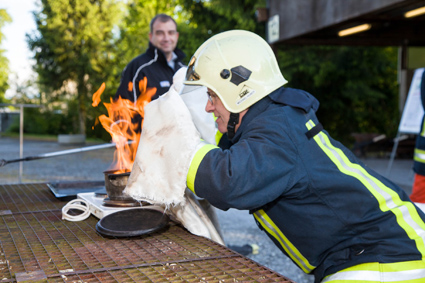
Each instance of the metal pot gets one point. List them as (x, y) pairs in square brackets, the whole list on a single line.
[(115, 184)]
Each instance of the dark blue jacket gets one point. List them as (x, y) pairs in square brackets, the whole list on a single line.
[(321, 206), (153, 65)]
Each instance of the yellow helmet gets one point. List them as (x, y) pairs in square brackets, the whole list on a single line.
[(239, 66)]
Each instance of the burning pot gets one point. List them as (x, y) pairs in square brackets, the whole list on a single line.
[(114, 185)]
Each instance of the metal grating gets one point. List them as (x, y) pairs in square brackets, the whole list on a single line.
[(28, 197), (36, 245)]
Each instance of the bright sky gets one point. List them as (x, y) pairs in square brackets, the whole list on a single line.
[(15, 45)]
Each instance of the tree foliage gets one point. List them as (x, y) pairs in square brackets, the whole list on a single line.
[(202, 19), (4, 62), (356, 86), (74, 45)]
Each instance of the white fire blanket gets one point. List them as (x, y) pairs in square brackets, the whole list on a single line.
[(168, 141), (195, 98), (167, 144)]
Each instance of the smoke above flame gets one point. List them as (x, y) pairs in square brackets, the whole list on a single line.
[(121, 123)]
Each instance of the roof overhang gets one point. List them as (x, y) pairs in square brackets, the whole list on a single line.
[(308, 22)]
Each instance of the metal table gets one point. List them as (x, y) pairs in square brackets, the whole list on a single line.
[(36, 245)]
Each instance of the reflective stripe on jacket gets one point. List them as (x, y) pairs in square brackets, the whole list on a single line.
[(319, 204), (400, 272)]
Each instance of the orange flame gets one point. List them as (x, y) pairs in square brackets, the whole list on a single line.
[(119, 124), (97, 94)]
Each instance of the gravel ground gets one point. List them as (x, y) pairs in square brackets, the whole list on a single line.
[(238, 227)]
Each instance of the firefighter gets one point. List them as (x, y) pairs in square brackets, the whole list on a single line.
[(331, 214), (418, 190)]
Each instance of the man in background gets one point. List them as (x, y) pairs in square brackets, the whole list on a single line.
[(158, 64)]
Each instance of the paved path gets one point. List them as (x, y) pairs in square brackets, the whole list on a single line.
[(238, 227), (80, 166)]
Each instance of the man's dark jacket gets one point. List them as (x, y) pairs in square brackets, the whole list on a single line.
[(153, 65)]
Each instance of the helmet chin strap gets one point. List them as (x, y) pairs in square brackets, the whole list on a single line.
[(231, 125)]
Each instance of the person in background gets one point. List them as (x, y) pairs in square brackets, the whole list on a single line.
[(158, 64), (418, 191), (332, 215)]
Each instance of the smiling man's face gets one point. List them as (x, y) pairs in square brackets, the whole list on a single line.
[(164, 36)]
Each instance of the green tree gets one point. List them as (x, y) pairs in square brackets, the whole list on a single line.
[(4, 62), (202, 19), (74, 48), (356, 86)]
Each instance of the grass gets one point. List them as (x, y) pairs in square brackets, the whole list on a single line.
[(31, 136)]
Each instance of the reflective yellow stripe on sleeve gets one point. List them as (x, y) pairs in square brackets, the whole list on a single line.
[(194, 165), (289, 248), (419, 155), (388, 200)]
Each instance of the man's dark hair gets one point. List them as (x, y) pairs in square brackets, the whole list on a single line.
[(163, 18)]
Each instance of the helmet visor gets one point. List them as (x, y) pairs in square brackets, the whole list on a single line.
[(191, 74)]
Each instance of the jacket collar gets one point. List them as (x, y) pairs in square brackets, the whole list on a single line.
[(286, 96), (161, 57), (252, 113)]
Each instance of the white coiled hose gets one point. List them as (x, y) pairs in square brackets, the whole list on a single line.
[(78, 204)]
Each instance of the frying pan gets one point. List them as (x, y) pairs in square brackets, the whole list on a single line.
[(133, 222)]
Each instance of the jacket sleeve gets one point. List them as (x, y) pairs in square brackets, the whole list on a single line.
[(256, 170)]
